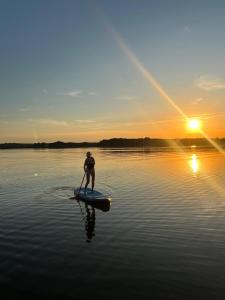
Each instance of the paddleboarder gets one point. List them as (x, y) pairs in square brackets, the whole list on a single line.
[(89, 169)]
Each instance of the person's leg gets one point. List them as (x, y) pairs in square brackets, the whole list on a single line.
[(93, 179), (87, 179)]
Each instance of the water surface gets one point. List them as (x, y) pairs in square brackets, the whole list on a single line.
[(163, 236)]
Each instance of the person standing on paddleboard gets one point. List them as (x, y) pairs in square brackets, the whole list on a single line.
[(89, 169)]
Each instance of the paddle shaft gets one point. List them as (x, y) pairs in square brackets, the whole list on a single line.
[(81, 183)]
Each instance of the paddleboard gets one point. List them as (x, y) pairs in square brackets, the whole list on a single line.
[(91, 197)]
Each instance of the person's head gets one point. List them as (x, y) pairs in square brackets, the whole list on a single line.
[(88, 154)]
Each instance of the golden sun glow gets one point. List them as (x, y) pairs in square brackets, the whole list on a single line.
[(194, 163), (194, 124)]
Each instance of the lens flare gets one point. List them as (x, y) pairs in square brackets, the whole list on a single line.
[(153, 82)]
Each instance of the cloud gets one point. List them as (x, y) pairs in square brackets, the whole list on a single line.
[(74, 94), (24, 109), (45, 91), (10, 122), (78, 93), (212, 115), (61, 123), (197, 101), (125, 98), (50, 122), (187, 29), (209, 83), (84, 121)]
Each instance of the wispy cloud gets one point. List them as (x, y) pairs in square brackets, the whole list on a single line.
[(125, 98), (197, 101), (187, 29), (78, 93), (62, 123), (85, 121), (24, 109), (45, 91), (9, 122), (211, 115), (74, 94), (209, 83), (50, 122)]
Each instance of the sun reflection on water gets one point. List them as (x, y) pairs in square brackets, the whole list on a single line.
[(194, 163)]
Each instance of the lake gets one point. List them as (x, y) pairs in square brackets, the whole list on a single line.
[(162, 237)]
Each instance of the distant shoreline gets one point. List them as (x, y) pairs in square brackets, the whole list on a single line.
[(118, 142)]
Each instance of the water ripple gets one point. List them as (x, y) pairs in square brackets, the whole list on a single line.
[(164, 233)]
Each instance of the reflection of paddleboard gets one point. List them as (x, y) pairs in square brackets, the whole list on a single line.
[(91, 197)]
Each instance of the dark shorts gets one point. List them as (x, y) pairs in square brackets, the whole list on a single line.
[(90, 171)]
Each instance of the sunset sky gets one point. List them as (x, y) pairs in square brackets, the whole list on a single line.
[(67, 71)]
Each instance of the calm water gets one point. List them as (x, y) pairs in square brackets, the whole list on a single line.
[(163, 237)]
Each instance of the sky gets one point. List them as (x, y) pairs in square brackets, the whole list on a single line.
[(79, 70)]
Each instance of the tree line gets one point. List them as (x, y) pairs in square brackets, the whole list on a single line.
[(118, 142)]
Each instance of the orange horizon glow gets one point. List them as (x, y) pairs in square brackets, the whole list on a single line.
[(163, 129)]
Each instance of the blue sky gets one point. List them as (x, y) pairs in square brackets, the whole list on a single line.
[(64, 76)]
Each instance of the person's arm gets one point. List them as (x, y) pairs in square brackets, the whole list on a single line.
[(85, 163)]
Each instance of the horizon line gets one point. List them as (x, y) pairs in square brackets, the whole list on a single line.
[(114, 138)]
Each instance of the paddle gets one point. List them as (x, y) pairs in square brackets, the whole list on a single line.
[(81, 184), (77, 196)]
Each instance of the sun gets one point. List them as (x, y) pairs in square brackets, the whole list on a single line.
[(194, 124)]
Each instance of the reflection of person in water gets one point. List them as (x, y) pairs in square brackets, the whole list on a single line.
[(90, 223)]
